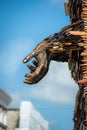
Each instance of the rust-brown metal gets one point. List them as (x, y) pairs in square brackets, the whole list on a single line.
[(80, 114), (55, 47), (69, 45)]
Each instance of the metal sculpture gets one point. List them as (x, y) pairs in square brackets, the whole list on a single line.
[(55, 47), (69, 45)]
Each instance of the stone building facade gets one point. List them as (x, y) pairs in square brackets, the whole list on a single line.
[(27, 118), (5, 100), (12, 119), (30, 118)]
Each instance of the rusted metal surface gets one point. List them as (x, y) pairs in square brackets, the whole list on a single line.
[(80, 115), (69, 45), (56, 47)]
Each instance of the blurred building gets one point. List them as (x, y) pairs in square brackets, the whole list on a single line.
[(5, 100), (12, 119), (30, 118)]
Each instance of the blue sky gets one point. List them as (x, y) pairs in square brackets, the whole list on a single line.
[(23, 24)]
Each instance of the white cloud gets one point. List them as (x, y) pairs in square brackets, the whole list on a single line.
[(56, 87), (12, 55), (16, 99)]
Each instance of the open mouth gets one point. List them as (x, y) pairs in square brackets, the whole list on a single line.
[(39, 68)]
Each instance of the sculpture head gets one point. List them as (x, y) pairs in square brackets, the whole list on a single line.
[(43, 54), (55, 47)]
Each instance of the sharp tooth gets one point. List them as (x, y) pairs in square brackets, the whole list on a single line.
[(26, 75), (27, 78), (31, 68), (35, 63), (25, 60), (27, 82)]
